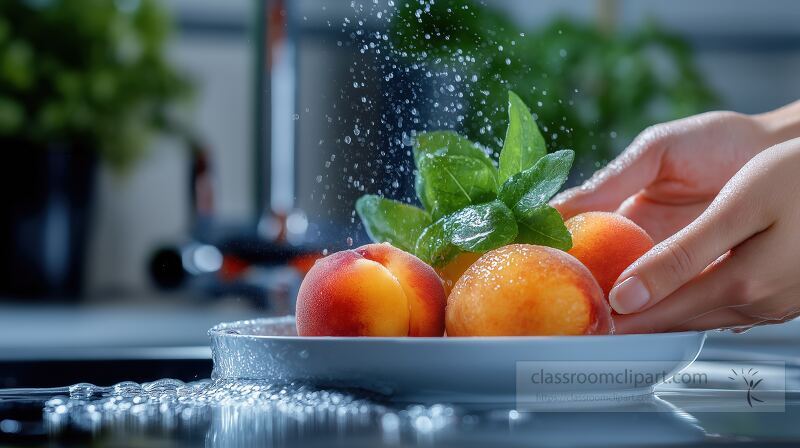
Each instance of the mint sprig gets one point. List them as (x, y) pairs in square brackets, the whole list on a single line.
[(470, 203)]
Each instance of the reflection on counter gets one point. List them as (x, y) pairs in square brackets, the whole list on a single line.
[(214, 412)]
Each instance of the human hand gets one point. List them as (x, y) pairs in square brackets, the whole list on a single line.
[(734, 266), (672, 171)]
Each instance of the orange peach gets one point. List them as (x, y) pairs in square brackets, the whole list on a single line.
[(374, 290), (526, 290), (452, 271), (606, 243)]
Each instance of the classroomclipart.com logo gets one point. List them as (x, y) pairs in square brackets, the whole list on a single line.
[(751, 381), (650, 386)]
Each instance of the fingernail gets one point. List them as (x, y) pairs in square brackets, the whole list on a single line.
[(629, 296)]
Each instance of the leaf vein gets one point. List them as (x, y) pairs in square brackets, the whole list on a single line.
[(536, 231), (458, 184)]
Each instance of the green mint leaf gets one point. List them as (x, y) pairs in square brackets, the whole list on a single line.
[(544, 226), (524, 144), (452, 182), (419, 187), (447, 142), (476, 228), (526, 194), (391, 221), (435, 143), (537, 184)]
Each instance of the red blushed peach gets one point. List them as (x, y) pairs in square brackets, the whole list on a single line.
[(526, 290), (606, 243), (374, 290)]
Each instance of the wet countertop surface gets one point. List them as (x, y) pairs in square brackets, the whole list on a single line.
[(170, 413), (223, 414)]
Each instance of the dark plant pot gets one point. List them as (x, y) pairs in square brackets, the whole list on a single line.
[(45, 203)]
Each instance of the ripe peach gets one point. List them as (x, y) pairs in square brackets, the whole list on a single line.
[(606, 243), (374, 290), (526, 290), (453, 270)]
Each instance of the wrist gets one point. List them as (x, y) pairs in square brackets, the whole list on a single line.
[(781, 124)]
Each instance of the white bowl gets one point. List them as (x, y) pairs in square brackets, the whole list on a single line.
[(456, 370)]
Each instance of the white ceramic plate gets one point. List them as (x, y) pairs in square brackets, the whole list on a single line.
[(462, 370)]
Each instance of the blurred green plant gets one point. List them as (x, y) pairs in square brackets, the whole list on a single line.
[(86, 74), (589, 90)]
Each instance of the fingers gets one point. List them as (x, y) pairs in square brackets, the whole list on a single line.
[(660, 220), (630, 172), (738, 290), (706, 295), (727, 222)]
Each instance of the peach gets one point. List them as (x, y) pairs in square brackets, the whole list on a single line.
[(374, 290), (606, 243), (526, 290), (452, 271)]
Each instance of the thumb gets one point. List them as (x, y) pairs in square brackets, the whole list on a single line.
[(625, 176), (680, 258)]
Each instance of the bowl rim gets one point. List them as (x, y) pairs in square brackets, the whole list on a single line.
[(219, 331)]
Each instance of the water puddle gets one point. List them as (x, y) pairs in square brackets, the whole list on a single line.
[(238, 413)]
